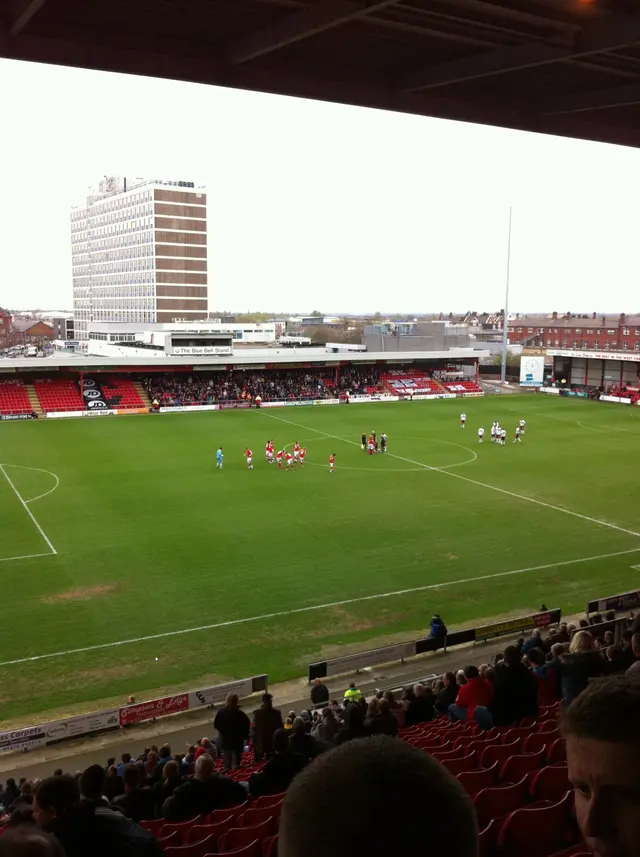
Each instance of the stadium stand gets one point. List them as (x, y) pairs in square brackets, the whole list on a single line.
[(205, 388), (58, 395), (461, 386), (14, 398), (404, 382), (120, 392), (516, 774)]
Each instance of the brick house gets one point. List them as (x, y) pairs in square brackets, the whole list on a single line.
[(580, 332)]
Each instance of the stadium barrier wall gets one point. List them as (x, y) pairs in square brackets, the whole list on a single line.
[(56, 731), (618, 399), (411, 648), (622, 601)]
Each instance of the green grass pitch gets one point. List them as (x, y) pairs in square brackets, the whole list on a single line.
[(152, 539)]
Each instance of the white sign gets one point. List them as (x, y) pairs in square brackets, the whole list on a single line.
[(553, 391), (531, 371), (62, 414), (47, 733), (216, 695), (620, 401), (205, 349), (418, 397), (180, 408), (596, 355)]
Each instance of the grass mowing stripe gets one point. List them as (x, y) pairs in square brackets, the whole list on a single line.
[(308, 609), (472, 481), (28, 511)]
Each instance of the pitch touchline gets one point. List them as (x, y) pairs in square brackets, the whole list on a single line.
[(467, 479), (280, 613), (28, 510)]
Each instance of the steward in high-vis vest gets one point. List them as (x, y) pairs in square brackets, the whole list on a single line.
[(352, 694)]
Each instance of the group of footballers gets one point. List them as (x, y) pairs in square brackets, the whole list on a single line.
[(370, 444), (290, 459), (498, 434)]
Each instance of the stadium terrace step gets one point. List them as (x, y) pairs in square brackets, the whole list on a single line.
[(146, 401), (34, 400)]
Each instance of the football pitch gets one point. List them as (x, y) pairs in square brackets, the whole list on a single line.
[(121, 542)]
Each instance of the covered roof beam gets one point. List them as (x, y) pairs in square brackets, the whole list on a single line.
[(308, 22), (607, 33)]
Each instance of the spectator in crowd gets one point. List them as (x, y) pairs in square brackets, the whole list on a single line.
[(447, 696), (20, 816), (125, 760), (234, 727), (515, 692), (204, 793), (545, 677), (420, 709), (266, 720), (534, 642), (171, 779), (11, 793), (92, 784), (634, 669), (25, 798), (382, 722), (164, 756), (575, 668), (112, 784), (370, 793), (83, 829), (319, 693), (603, 756), (327, 728), (353, 725), (396, 707), (205, 746), (352, 693), (279, 769), (151, 764), (301, 742), (437, 630), (473, 700), (137, 802), (28, 841)]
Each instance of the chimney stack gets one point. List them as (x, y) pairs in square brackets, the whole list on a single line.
[(554, 316)]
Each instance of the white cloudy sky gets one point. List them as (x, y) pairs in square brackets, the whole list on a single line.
[(321, 206)]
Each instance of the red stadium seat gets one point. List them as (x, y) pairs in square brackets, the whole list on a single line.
[(535, 832), (557, 752), (498, 753), (200, 831), (14, 398), (171, 841), (550, 783), (460, 764), (240, 837), (270, 846), (485, 839), (537, 741), (513, 734), (181, 827), (195, 849), (252, 817), (474, 781), (268, 800), (516, 767), (253, 849), (548, 725), (497, 802)]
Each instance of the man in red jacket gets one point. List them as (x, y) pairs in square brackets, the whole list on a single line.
[(473, 700)]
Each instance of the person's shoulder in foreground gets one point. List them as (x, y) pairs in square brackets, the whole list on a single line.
[(601, 727), (368, 792), (28, 841)]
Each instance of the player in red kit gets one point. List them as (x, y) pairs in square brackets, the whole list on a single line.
[(303, 453), (289, 459), (370, 444), (249, 457), (296, 451), (332, 459), (279, 455)]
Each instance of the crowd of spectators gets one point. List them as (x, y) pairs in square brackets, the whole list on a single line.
[(205, 388), (98, 810)]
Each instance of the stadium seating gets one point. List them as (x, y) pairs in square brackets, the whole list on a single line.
[(461, 387), (404, 382), (13, 398), (536, 832), (121, 393), (57, 394)]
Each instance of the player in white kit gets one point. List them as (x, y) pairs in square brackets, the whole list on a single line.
[(493, 432), (517, 438), (522, 425), (463, 420), (503, 436), (480, 435)]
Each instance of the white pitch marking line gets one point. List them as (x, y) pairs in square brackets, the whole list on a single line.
[(38, 470), (471, 481), (28, 556), (311, 608), (28, 511)]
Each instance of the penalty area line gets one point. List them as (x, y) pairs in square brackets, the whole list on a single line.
[(313, 607), (471, 481), (28, 510)]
